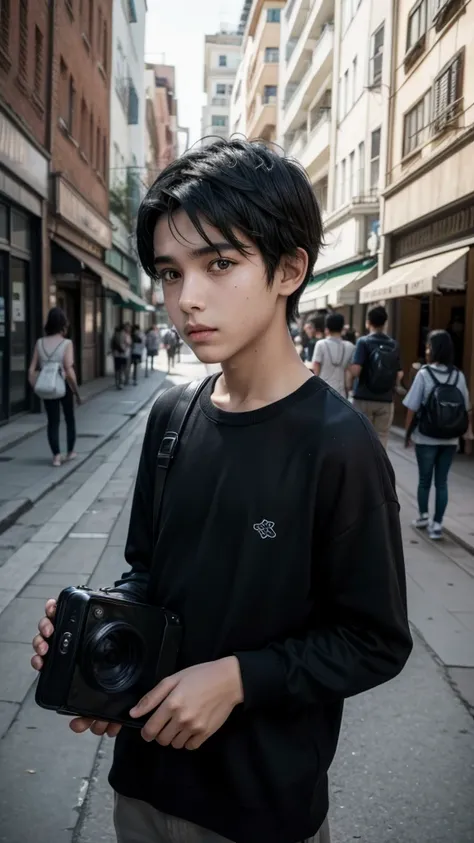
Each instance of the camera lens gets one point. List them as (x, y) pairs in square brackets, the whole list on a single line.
[(114, 654)]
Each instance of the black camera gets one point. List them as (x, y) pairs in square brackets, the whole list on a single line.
[(106, 652)]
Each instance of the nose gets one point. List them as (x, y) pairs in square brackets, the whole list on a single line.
[(192, 292)]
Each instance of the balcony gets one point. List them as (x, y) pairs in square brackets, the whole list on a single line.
[(320, 15), (316, 150), (262, 118), (296, 13), (223, 102), (319, 68), (265, 73)]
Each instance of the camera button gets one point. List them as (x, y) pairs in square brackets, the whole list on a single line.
[(64, 645)]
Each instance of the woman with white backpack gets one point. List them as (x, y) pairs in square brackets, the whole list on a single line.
[(56, 381)]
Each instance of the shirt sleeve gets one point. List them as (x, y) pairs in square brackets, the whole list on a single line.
[(465, 391), (414, 399), (360, 353), (318, 354), (359, 635)]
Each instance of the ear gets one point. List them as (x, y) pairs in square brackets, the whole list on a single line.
[(291, 272)]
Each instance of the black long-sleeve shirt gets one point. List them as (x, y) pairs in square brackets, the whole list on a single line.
[(279, 542)]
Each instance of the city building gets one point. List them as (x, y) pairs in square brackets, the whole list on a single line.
[(79, 224), (334, 113), (255, 96), (160, 87), (24, 163), (127, 178), (428, 203), (222, 53)]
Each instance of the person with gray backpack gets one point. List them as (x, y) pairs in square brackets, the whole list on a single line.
[(439, 413), (55, 382)]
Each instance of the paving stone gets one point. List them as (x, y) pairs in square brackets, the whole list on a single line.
[(463, 678), (16, 672), (23, 564), (111, 566), (53, 531), (76, 556), (6, 598), (19, 621), (8, 712), (41, 512), (16, 536), (44, 592), (99, 518)]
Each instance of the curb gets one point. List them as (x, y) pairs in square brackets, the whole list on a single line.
[(11, 511)]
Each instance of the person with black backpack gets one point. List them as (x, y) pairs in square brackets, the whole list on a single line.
[(439, 413), (377, 368)]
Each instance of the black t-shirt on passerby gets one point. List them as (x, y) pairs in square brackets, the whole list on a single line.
[(279, 542), (361, 358)]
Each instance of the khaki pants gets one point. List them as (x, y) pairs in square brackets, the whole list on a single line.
[(138, 822), (380, 413)]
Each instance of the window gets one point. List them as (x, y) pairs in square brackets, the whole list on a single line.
[(63, 91), (444, 10), (273, 15), (91, 139), (104, 156), (71, 105), (352, 184), (376, 61), (97, 148), (23, 52), (133, 105), (105, 47), (417, 23), (355, 89), (99, 32), (447, 93), (222, 61), (84, 128), (346, 92), (220, 90), (343, 181), (375, 160), (219, 120), (269, 94), (361, 173), (272, 55), (416, 124), (38, 78), (4, 24)]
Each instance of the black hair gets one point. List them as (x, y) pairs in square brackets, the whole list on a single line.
[(377, 316), (350, 336), (441, 348), (238, 186), (317, 322), (335, 323), (56, 322)]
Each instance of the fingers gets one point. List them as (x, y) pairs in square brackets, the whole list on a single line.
[(81, 724), (46, 628), (113, 729), (97, 727), (155, 697), (37, 662), (50, 608)]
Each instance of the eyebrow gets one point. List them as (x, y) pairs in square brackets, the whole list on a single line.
[(210, 249)]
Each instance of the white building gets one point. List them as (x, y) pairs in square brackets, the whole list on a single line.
[(221, 62), (127, 150), (333, 119)]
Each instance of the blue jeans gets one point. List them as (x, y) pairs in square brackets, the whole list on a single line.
[(437, 458)]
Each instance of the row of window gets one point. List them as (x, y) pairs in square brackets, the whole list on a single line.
[(93, 26), (426, 13), (80, 123), (438, 108), (350, 179), (348, 10), (223, 90), (36, 79), (351, 83)]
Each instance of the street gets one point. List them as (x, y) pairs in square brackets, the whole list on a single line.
[(404, 771)]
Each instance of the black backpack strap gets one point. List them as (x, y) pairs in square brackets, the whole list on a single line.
[(432, 375), (169, 444)]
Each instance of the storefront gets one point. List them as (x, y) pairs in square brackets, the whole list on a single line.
[(338, 290), (23, 189), (430, 284)]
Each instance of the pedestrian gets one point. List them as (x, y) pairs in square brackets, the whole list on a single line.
[(55, 353), (439, 412), (378, 370), (118, 348), (152, 342), (333, 355), (313, 331), (278, 628), (170, 342), (127, 337), (138, 345)]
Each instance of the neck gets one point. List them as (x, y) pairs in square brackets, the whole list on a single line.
[(335, 336), (377, 330), (265, 371)]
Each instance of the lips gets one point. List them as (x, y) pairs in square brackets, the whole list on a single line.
[(199, 332)]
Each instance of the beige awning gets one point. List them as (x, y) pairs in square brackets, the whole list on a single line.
[(343, 289), (446, 271)]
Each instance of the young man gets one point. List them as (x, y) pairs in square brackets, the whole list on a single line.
[(279, 540), (314, 332), (378, 371), (333, 355)]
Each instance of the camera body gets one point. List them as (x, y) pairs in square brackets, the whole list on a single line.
[(106, 652)]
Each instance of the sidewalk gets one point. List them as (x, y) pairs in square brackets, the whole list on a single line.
[(25, 461)]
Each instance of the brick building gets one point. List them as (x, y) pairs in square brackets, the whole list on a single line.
[(24, 144), (79, 225)]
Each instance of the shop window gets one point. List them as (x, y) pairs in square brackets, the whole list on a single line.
[(447, 95), (5, 24), (23, 51), (376, 58), (375, 161), (39, 58), (417, 125), (20, 236)]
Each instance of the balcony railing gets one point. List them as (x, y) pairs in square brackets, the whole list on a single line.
[(221, 101), (312, 66)]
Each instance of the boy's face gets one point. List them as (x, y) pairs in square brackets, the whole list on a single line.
[(220, 303)]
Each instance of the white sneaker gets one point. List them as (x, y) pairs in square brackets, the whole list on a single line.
[(422, 522), (435, 531)]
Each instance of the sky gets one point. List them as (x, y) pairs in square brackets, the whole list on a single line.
[(175, 31)]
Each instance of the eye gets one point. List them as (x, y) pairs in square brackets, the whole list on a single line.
[(167, 276), (222, 264)]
